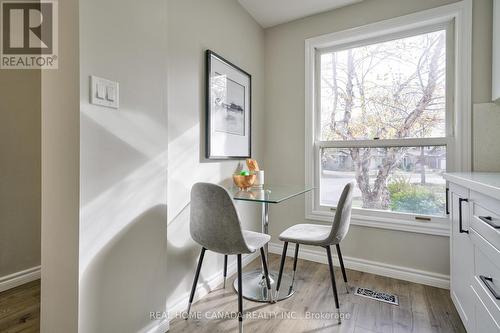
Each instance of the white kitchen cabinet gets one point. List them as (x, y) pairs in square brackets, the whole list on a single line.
[(474, 207), (496, 51), (461, 255)]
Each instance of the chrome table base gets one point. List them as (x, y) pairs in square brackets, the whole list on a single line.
[(255, 289), (254, 283)]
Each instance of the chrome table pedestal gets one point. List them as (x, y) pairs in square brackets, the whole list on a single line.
[(254, 283), (255, 289)]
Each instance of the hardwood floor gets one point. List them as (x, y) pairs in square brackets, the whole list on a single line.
[(422, 308), (20, 309)]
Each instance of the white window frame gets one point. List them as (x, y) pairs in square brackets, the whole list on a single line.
[(458, 139)]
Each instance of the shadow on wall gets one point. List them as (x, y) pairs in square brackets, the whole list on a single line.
[(124, 272), (108, 159), (115, 145), (182, 254), (123, 222)]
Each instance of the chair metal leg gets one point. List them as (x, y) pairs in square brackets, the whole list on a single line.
[(282, 265), (225, 270), (266, 273), (342, 267), (240, 296), (195, 282), (334, 285), (294, 266)]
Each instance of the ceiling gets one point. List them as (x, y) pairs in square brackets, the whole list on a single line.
[(273, 12)]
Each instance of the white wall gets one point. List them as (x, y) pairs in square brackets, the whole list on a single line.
[(496, 52), (194, 26), (123, 223), (486, 116), (20, 174), (486, 123), (284, 105), (60, 180)]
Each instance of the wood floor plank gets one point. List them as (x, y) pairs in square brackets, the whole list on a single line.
[(441, 311), (20, 309), (422, 309), (402, 315)]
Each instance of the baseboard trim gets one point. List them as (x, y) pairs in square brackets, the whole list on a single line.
[(206, 286), (19, 278), (369, 266)]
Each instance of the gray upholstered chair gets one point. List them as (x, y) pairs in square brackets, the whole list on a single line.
[(321, 235), (215, 225)]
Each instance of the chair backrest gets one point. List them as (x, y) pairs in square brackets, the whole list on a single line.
[(214, 221), (342, 218)]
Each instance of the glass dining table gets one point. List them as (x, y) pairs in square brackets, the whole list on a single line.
[(254, 283)]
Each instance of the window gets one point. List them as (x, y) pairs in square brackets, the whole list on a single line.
[(397, 179), (371, 99), (383, 114)]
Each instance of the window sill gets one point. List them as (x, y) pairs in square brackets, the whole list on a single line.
[(430, 228)]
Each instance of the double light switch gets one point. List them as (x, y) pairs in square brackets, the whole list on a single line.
[(104, 92)]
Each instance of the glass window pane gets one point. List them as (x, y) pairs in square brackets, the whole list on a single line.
[(398, 179), (389, 90)]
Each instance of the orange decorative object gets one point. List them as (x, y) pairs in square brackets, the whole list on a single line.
[(252, 165), (244, 182)]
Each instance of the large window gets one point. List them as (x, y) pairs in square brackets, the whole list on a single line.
[(388, 107), (372, 99)]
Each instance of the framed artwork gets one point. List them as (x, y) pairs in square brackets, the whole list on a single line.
[(229, 109)]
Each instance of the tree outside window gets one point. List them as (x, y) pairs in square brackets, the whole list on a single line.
[(386, 92)]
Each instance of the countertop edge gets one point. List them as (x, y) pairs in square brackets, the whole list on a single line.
[(482, 187)]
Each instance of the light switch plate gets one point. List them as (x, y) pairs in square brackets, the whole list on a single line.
[(110, 93), (104, 92), (100, 91)]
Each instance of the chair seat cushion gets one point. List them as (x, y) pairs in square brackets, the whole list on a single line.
[(255, 240), (309, 234)]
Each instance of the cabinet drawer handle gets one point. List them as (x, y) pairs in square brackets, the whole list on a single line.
[(488, 283), (460, 229), (489, 220), (447, 204)]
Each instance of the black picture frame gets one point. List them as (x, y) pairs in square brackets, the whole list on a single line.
[(209, 141)]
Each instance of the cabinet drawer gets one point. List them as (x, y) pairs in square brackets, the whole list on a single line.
[(484, 320), (486, 282), (485, 201), (486, 218)]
